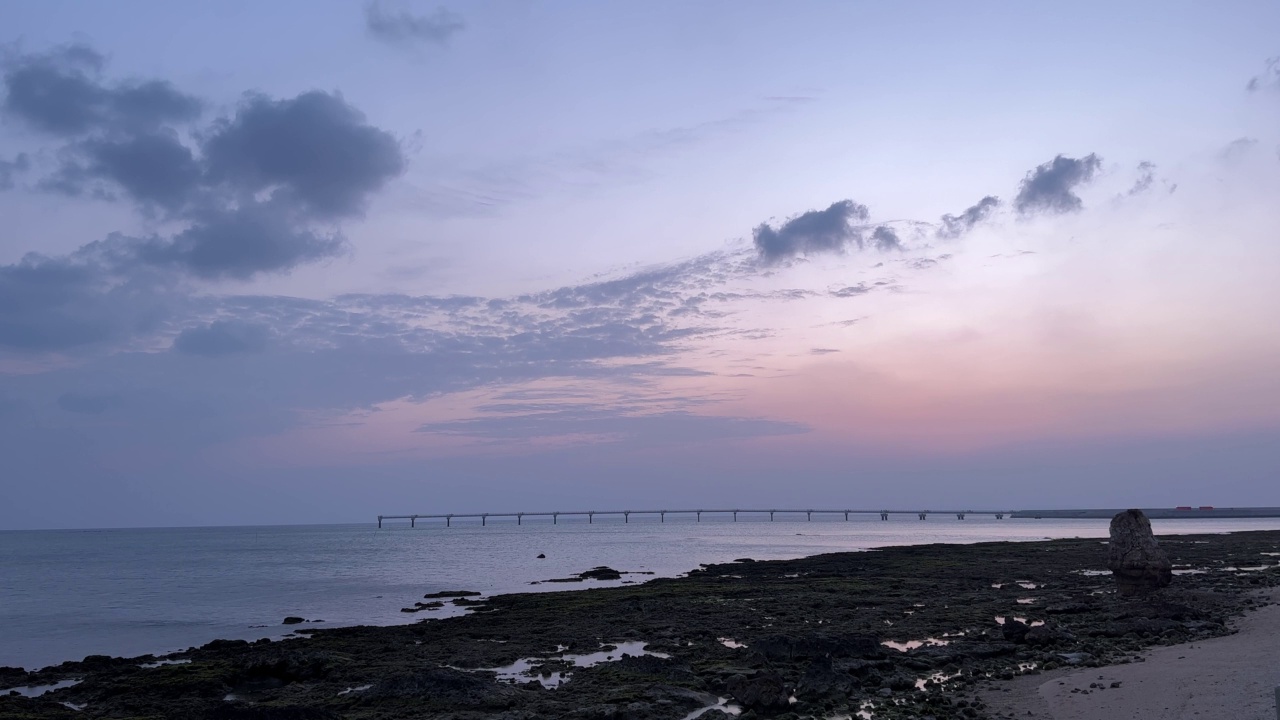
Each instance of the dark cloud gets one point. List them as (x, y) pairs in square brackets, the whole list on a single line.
[(1051, 187), (221, 337), (315, 148), (257, 192), (53, 304), (886, 239), (88, 403), (61, 93), (815, 231), (152, 168), (953, 226), (402, 26), (9, 169), (241, 243)]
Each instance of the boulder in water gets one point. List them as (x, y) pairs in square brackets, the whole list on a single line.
[(1134, 557)]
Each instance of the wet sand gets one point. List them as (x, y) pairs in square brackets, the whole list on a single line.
[(1225, 677)]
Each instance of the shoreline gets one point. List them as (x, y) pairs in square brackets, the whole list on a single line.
[(46, 619), (1227, 676), (839, 632)]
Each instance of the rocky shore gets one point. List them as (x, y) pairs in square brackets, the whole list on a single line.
[(894, 633)]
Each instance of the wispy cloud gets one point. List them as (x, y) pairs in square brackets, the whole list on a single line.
[(401, 26)]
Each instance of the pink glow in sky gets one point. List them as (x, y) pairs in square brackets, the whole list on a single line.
[(335, 273)]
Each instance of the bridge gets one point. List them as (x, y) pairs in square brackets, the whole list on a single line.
[(696, 514), (1183, 512)]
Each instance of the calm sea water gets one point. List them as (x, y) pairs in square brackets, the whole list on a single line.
[(65, 594)]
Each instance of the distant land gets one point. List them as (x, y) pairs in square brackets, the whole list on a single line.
[(1183, 512)]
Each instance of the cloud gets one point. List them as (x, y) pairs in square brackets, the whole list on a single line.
[(241, 243), (61, 93), (886, 239), (1268, 79), (221, 337), (257, 192), (597, 423), (953, 226), (402, 26), (1050, 187), (315, 149), (1146, 177), (816, 231), (1239, 148), (152, 168), (50, 304), (11, 168), (851, 291)]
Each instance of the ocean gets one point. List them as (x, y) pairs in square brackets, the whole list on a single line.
[(65, 594)]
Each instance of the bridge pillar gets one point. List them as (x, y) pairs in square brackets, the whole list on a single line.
[(413, 521), (519, 518), (484, 520), (999, 516), (379, 522), (770, 516), (959, 516), (809, 516), (884, 515), (735, 516), (662, 516), (555, 518), (922, 515), (591, 518), (626, 518), (846, 516), (448, 521), (699, 516)]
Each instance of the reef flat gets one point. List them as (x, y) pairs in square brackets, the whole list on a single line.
[(897, 632)]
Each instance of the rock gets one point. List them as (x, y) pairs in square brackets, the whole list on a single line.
[(451, 594), (442, 688), (1046, 635), (1134, 557), (763, 690), (542, 556), (601, 573), (1014, 630), (12, 676), (237, 711), (813, 645), (293, 620), (820, 680)]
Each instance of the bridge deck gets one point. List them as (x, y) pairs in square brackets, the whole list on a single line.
[(555, 515)]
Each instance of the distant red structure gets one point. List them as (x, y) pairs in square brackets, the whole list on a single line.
[(1206, 507), (1183, 507)]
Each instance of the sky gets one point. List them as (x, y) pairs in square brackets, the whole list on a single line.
[(317, 261)]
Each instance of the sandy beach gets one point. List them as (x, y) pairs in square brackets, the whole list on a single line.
[(1225, 677)]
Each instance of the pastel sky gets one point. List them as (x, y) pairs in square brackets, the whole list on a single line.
[(315, 261)]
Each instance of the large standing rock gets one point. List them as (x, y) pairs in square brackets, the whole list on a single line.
[(1134, 556)]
